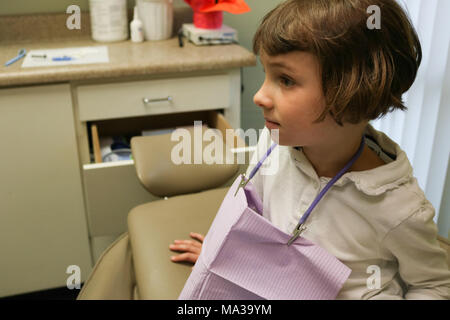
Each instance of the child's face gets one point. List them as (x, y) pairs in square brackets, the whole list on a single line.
[(292, 96)]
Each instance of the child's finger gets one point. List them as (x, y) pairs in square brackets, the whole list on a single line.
[(185, 247), (189, 257), (188, 243), (193, 242), (197, 236)]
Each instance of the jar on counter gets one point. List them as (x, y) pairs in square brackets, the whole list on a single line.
[(157, 18), (109, 21)]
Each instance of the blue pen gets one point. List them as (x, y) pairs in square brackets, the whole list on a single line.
[(63, 58), (20, 55)]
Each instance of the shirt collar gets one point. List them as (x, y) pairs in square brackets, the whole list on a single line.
[(374, 181)]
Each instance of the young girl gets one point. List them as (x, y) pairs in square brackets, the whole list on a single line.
[(327, 75)]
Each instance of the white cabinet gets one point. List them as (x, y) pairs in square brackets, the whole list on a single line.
[(43, 227)]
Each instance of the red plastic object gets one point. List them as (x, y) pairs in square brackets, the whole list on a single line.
[(231, 6), (208, 14), (208, 20)]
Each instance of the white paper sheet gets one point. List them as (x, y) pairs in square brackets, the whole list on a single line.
[(78, 55)]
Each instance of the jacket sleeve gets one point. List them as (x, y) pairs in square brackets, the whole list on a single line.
[(422, 262)]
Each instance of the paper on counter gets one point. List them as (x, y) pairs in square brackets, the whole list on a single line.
[(79, 55)]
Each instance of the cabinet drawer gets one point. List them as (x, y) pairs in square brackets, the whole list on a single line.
[(151, 97), (113, 188)]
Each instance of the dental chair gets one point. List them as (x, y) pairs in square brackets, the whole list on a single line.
[(137, 265)]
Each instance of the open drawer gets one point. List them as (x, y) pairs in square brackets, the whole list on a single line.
[(112, 189)]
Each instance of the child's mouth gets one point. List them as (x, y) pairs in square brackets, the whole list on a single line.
[(271, 124)]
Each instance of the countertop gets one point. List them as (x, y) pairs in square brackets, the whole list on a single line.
[(125, 57)]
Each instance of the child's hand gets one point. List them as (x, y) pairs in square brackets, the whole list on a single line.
[(191, 248)]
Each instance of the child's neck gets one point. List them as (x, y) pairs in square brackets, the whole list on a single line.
[(328, 160)]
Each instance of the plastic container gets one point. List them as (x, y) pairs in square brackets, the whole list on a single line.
[(118, 155), (157, 17), (115, 149), (109, 20)]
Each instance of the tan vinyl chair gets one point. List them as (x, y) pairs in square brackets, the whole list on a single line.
[(445, 244), (137, 265)]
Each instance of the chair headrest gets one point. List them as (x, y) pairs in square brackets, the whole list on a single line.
[(168, 168)]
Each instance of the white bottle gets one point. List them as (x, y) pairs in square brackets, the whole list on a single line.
[(136, 28)]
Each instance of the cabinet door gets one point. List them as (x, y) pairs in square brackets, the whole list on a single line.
[(43, 226)]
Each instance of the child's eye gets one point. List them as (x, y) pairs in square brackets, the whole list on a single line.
[(285, 81)]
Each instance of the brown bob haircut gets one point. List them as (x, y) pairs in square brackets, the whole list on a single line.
[(364, 71)]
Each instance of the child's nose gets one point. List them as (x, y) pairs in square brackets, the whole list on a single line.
[(262, 99)]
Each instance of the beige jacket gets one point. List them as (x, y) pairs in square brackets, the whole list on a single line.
[(377, 222)]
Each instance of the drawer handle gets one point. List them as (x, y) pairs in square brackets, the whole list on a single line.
[(147, 100)]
